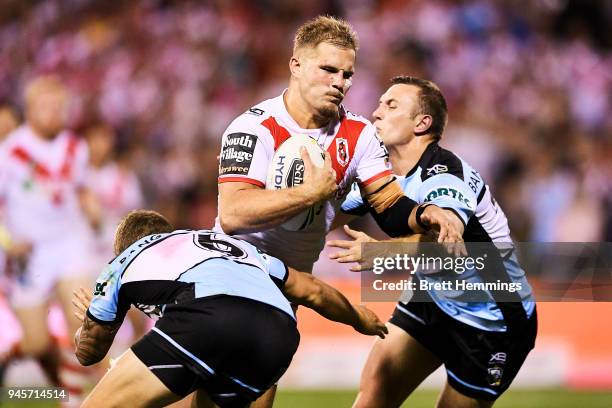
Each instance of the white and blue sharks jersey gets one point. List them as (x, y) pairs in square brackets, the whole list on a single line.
[(163, 269), (444, 179)]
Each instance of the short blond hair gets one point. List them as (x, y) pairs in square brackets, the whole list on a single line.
[(43, 84), (326, 29)]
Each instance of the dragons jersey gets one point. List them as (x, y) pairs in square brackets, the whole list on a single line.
[(39, 180), (182, 265), (248, 146), (442, 178), (118, 191)]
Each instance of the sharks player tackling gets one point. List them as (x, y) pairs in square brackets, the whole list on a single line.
[(481, 344)]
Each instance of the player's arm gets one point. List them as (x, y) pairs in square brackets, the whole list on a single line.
[(246, 207), (13, 248), (398, 215), (88, 201), (395, 213), (350, 250), (305, 289), (94, 338), (91, 207)]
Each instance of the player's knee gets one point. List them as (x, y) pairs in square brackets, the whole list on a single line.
[(378, 371), (371, 398), (374, 388)]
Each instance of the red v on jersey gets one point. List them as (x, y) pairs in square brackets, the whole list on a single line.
[(279, 133), (43, 171), (341, 149)]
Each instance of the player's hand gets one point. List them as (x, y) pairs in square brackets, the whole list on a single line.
[(320, 182), (19, 250), (448, 226), (81, 300), (352, 249), (369, 323)]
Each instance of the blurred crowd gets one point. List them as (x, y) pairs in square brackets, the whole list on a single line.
[(529, 88)]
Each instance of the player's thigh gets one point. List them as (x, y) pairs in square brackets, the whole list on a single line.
[(35, 334), (395, 367), (129, 384), (451, 398)]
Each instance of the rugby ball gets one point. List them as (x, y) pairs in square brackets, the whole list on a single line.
[(287, 170)]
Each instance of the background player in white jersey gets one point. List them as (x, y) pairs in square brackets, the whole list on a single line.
[(483, 343), (321, 68), (48, 213), (113, 182), (226, 329), (8, 122), (118, 191)]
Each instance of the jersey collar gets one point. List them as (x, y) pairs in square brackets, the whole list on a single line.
[(430, 150)]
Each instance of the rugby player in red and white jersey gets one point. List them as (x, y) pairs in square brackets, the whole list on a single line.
[(321, 68), (48, 214)]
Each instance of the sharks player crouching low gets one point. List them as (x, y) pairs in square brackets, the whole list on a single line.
[(226, 329), (482, 344)]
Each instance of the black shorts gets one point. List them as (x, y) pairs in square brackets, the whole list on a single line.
[(231, 347), (479, 364)]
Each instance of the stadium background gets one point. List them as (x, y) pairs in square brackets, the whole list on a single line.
[(528, 86)]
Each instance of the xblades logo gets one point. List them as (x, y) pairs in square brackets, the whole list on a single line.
[(437, 169)]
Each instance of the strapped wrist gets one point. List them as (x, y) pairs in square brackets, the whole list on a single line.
[(419, 212)]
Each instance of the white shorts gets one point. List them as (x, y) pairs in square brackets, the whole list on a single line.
[(47, 264)]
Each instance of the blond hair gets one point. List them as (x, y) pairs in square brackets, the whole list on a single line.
[(325, 29), (43, 84)]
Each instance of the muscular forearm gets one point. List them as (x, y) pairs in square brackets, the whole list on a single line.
[(93, 341), (332, 304), (252, 210)]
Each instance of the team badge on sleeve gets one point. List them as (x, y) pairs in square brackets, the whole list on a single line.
[(342, 151), (237, 153)]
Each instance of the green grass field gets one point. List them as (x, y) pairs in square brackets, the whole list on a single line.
[(557, 398)]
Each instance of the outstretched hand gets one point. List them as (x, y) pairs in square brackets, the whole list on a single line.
[(352, 249), (369, 323), (81, 300)]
